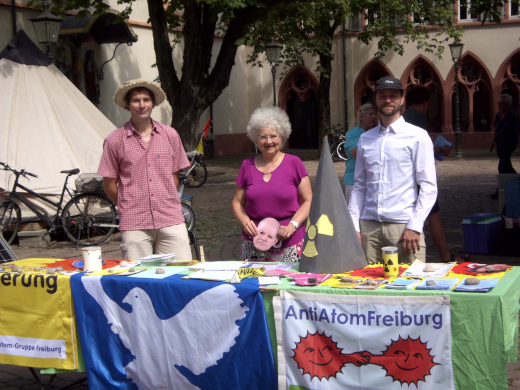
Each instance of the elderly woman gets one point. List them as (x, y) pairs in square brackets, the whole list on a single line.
[(273, 184), (367, 119)]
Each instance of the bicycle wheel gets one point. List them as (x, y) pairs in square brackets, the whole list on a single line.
[(189, 216), (89, 219), (197, 176), (333, 152), (341, 152), (10, 217)]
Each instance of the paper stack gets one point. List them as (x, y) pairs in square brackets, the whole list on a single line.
[(403, 284)]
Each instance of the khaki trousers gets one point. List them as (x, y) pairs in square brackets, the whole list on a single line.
[(136, 244), (376, 235)]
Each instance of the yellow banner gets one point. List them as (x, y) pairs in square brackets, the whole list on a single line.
[(37, 327), (200, 147)]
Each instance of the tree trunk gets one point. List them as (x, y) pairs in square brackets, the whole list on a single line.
[(325, 76), (324, 102), (198, 87)]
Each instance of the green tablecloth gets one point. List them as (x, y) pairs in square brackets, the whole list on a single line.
[(484, 328)]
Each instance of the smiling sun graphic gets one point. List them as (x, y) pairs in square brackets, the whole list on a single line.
[(405, 360), (319, 356)]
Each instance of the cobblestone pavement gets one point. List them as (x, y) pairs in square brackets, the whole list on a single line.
[(464, 189)]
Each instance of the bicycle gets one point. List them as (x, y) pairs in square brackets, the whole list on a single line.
[(207, 145), (341, 152), (87, 219), (336, 137), (187, 210), (197, 173)]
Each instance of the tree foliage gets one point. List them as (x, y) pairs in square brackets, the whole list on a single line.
[(309, 28), (196, 83), (302, 26)]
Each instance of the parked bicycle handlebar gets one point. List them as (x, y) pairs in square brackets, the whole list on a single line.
[(23, 172)]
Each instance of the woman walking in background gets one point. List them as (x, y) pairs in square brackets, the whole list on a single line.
[(506, 135), (367, 119)]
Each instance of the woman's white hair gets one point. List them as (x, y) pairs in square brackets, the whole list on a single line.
[(272, 117), (507, 98), (362, 110)]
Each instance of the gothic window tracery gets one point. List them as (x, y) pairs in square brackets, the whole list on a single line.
[(374, 72), (423, 74), (511, 80), (474, 95), (299, 97)]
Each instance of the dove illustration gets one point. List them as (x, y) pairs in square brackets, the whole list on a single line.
[(196, 337)]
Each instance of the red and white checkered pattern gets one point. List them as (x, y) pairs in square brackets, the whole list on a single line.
[(146, 194)]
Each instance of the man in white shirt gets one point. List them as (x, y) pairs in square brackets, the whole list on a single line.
[(395, 183)]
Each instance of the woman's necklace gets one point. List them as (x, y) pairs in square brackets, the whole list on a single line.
[(270, 164)]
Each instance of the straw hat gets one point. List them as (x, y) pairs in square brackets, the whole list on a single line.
[(119, 96)]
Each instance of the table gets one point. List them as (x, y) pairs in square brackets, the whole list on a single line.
[(484, 326)]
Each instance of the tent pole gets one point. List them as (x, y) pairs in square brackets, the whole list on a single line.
[(13, 16)]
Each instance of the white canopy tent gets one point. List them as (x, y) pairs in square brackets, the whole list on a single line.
[(47, 125)]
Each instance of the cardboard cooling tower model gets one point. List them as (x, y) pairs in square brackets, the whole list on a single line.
[(331, 243)]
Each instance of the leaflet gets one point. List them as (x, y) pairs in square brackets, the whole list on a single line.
[(403, 284), (440, 284)]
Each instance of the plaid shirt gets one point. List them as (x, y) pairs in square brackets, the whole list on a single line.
[(146, 194)]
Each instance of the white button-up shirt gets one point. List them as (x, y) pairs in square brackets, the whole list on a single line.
[(395, 179)]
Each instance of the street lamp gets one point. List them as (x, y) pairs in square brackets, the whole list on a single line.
[(47, 27), (456, 52), (273, 51)]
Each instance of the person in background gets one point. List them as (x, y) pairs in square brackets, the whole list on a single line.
[(417, 100), (506, 135), (395, 184), (367, 119), (272, 184), (91, 77), (141, 165)]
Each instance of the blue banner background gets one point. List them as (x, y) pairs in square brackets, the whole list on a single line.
[(248, 365)]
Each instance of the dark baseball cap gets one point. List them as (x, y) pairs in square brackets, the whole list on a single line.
[(388, 82)]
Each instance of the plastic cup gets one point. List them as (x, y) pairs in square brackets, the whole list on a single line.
[(92, 258), (390, 262)]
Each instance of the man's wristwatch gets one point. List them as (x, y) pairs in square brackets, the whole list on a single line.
[(295, 224)]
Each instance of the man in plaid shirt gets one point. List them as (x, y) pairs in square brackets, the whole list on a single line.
[(141, 165)]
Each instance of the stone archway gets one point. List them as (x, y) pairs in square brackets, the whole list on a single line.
[(422, 71), (475, 94), (299, 97), (365, 82), (508, 80)]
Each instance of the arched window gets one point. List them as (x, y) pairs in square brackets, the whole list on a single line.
[(299, 98), (421, 71), (474, 94), (366, 82), (509, 78)]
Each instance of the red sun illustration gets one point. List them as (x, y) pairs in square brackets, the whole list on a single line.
[(372, 272), (406, 360), (319, 356), (479, 269), (67, 264)]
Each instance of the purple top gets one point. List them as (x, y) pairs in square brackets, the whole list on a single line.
[(277, 198)]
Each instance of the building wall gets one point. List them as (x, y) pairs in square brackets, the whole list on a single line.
[(251, 87), (490, 47)]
